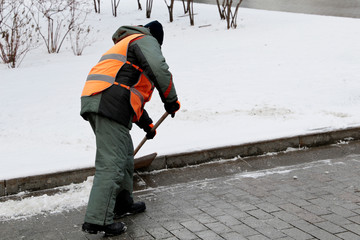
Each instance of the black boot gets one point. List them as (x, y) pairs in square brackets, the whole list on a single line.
[(134, 208), (110, 230), (125, 205)]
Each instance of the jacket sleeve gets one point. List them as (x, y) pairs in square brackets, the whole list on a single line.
[(144, 121), (152, 61)]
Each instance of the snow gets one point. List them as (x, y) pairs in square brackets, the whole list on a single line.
[(276, 75), (69, 197)]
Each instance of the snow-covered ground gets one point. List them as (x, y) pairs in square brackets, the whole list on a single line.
[(278, 74)]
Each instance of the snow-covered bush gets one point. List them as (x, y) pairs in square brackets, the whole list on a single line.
[(80, 33), (55, 19), (79, 38), (17, 33)]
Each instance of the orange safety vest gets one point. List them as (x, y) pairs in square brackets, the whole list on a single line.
[(103, 76)]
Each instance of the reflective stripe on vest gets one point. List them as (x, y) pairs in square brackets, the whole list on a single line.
[(103, 74)]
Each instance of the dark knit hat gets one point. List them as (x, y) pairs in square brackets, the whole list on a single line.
[(156, 30)]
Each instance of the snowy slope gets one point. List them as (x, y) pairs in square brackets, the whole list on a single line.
[(276, 75)]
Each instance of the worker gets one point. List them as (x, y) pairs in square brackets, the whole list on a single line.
[(113, 98)]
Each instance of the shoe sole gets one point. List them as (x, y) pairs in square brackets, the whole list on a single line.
[(106, 234), (129, 213), (90, 231), (111, 234)]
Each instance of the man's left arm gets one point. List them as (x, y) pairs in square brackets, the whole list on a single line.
[(146, 123), (156, 69)]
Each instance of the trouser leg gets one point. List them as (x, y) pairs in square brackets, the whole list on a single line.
[(112, 168), (124, 201), (125, 198)]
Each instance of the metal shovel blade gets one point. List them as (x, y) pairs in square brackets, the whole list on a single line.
[(144, 161)]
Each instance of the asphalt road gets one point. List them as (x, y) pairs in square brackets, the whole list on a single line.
[(340, 8)]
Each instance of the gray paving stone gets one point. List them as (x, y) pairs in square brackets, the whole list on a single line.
[(321, 202), (212, 211), (184, 234), (148, 237), (258, 237), (244, 230), (271, 232), (204, 218), (194, 226), (228, 220), (218, 227), (304, 195), (277, 223), (136, 231), (351, 206), (296, 234), (221, 204), (159, 233), (317, 210), (285, 238), (310, 217), (348, 236), (330, 227), (355, 219), (208, 235), (260, 214), (299, 202), (290, 207), (285, 216), (355, 228), (336, 219), (243, 206), (208, 197), (268, 207), (323, 235), (274, 200), (190, 211), (233, 236), (171, 225), (254, 223), (303, 225), (236, 213)]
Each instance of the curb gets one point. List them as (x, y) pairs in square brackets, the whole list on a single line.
[(52, 180)]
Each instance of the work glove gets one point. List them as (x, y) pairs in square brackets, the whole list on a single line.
[(172, 108), (149, 134)]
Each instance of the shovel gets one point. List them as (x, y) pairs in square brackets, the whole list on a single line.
[(146, 160)]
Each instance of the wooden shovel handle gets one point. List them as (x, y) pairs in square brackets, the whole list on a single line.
[(162, 118)]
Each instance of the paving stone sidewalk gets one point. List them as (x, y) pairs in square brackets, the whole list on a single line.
[(314, 200)]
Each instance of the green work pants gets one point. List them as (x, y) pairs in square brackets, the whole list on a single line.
[(114, 168)]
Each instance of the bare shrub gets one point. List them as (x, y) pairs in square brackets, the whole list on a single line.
[(225, 11), (80, 34), (58, 21), (139, 5), (17, 33), (170, 9), (97, 6), (79, 38), (149, 4), (114, 7), (190, 8)]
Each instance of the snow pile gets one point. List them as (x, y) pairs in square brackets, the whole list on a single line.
[(69, 197), (276, 75)]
